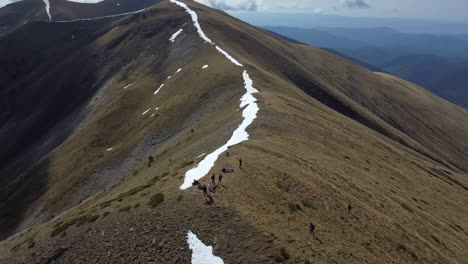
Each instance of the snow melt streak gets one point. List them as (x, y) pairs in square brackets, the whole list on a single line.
[(249, 113), (194, 19), (240, 134), (175, 35), (201, 254)]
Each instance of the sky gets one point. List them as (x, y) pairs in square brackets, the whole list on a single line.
[(448, 10)]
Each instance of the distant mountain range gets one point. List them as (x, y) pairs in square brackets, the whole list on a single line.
[(436, 62)]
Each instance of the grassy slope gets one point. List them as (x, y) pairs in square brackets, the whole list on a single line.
[(307, 149)]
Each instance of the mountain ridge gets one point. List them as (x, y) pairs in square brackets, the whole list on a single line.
[(328, 134)]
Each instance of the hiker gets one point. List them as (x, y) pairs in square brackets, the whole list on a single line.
[(212, 188), (204, 189), (312, 229), (213, 179), (220, 178), (240, 163)]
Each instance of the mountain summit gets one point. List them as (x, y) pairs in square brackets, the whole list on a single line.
[(106, 123)]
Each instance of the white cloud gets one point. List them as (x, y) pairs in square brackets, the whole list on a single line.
[(355, 3), (232, 5)]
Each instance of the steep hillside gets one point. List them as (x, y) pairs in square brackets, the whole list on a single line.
[(17, 14), (443, 76), (377, 164), (435, 62)]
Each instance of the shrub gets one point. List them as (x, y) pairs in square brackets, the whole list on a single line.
[(282, 186), (65, 225), (105, 214), (92, 218), (31, 244), (156, 200), (294, 208), (309, 204)]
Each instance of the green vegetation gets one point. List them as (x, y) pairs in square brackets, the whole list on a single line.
[(156, 200), (309, 204), (294, 208), (282, 186), (125, 194), (31, 244), (78, 221)]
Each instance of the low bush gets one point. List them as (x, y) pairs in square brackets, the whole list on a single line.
[(156, 200)]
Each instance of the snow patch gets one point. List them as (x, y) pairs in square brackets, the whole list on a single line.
[(169, 77), (249, 113), (128, 86), (109, 149), (179, 70), (145, 112), (175, 35), (201, 253), (201, 155), (194, 16), (157, 91), (229, 57), (239, 135)]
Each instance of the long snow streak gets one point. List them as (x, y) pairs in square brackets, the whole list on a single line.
[(194, 19), (229, 57), (240, 134), (159, 89), (47, 7), (201, 253), (248, 103)]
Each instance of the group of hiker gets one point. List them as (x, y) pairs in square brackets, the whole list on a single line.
[(213, 186)]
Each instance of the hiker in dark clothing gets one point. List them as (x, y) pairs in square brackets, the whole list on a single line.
[(312, 229), (213, 179), (220, 178), (240, 163), (212, 188), (204, 189)]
